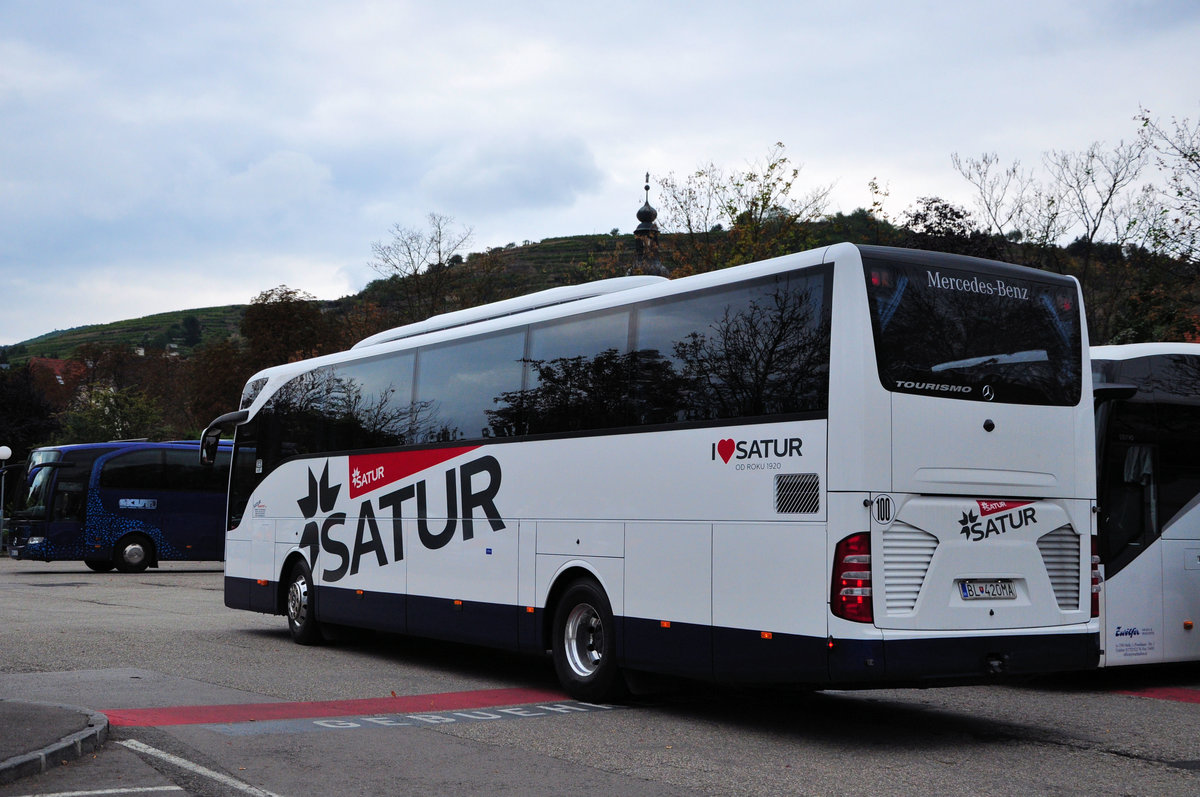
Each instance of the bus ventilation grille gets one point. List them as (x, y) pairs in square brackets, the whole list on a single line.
[(797, 493), (907, 552), (1060, 552)]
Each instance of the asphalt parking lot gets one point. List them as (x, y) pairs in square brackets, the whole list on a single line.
[(212, 701)]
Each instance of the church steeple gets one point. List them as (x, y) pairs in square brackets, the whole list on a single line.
[(646, 238)]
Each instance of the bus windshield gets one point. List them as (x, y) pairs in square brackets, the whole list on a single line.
[(991, 334), (38, 488)]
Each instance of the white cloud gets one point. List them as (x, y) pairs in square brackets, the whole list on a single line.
[(158, 154)]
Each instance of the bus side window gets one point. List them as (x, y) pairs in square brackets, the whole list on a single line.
[(137, 470), (183, 471), (69, 502), (1179, 465)]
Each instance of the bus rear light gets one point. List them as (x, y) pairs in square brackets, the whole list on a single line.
[(850, 596), (1096, 579)]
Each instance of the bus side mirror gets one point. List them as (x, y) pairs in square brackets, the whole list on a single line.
[(1112, 392), (211, 439), (208, 446)]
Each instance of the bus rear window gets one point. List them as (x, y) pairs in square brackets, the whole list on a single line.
[(995, 333)]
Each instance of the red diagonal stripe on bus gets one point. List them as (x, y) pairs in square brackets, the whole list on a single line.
[(251, 712), (1180, 694), (371, 471)]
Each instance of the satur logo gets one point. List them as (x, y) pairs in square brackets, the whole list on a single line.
[(469, 488), (320, 497), (767, 448), (996, 517)]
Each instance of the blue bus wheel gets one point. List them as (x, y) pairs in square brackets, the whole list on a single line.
[(132, 553)]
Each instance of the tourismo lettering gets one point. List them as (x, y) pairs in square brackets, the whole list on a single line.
[(471, 486), (769, 448), (932, 386), (977, 285)]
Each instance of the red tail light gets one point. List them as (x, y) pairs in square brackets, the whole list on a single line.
[(1096, 578), (850, 596)]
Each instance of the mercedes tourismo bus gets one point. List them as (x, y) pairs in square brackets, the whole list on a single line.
[(127, 505), (851, 466), (1149, 495)]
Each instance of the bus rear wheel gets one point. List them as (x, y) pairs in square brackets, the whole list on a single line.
[(99, 565), (132, 554), (585, 644), (302, 621)]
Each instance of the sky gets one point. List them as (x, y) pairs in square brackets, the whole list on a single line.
[(167, 155)]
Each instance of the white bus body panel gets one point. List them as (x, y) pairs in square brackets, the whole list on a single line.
[(1140, 627), (940, 445)]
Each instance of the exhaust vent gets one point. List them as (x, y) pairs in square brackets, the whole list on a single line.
[(907, 552), (1060, 553), (797, 493)]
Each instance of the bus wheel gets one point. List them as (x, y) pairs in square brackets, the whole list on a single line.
[(302, 622), (585, 644), (100, 566), (132, 554)]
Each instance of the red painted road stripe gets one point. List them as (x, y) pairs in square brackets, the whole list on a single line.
[(1177, 693), (250, 712)]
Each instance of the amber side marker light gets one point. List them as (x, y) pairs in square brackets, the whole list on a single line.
[(766, 635), (664, 623), (1187, 625), (262, 582)]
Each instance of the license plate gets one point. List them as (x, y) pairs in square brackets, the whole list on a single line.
[(991, 589)]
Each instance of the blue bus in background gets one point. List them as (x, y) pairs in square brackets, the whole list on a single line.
[(123, 505)]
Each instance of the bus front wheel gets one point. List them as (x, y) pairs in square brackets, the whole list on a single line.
[(98, 565), (585, 644), (132, 554), (302, 621)]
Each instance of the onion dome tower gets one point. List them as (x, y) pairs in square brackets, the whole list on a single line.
[(646, 237)]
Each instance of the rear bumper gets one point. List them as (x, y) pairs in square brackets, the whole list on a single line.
[(942, 659)]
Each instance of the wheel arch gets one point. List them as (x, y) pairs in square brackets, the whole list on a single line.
[(559, 584)]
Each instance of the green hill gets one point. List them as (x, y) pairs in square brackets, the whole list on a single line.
[(532, 265), (154, 331)]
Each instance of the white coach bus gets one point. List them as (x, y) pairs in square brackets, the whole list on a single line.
[(1148, 446), (853, 466)]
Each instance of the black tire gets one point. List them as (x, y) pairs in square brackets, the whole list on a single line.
[(300, 607), (98, 565), (585, 644), (132, 554)]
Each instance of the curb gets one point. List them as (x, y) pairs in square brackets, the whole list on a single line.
[(68, 748)]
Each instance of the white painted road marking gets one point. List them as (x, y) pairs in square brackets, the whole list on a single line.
[(183, 763)]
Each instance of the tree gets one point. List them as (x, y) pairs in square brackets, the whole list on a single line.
[(933, 223), (215, 376), (425, 263), (27, 420), (191, 330), (1175, 224), (283, 325), (1094, 185), (107, 414), (725, 219)]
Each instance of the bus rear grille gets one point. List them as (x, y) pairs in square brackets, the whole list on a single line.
[(1060, 552), (797, 493), (907, 552)]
